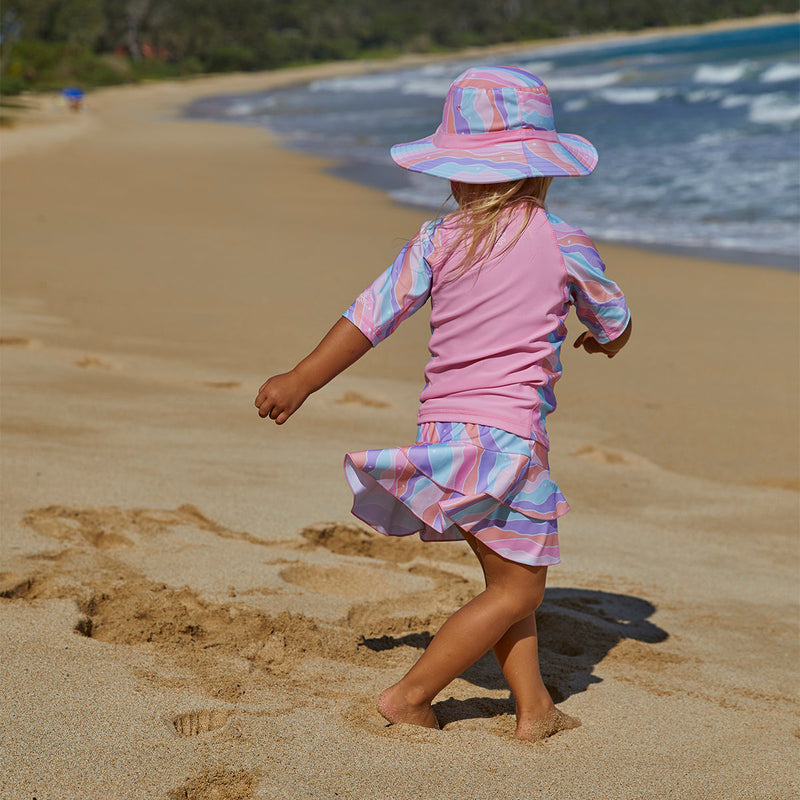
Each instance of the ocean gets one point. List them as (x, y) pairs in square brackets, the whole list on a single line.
[(698, 135)]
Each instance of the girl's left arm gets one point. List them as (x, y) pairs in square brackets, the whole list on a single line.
[(281, 395), (587, 341)]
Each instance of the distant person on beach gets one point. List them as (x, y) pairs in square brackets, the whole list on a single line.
[(501, 273), (74, 98)]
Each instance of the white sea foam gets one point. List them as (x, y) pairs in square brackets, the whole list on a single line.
[(416, 197), (241, 109), (436, 70), (538, 68), (782, 71), (578, 104), (774, 109), (715, 138), (703, 96), (428, 87), (736, 100), (361, 83), (249, 108), (634, 95), (721, 73), (566, 83)]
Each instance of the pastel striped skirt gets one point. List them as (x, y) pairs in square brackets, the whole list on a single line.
[(462, 476)]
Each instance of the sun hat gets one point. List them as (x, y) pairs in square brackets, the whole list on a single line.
[(497, 126)]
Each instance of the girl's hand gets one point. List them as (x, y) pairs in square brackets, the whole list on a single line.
[(591, 345), (281, 395)]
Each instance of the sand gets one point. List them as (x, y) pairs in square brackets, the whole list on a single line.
[(188, 611)]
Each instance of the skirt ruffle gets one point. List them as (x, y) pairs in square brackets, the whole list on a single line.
[(492, 483)]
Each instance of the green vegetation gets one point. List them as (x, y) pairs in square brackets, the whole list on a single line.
[(47, 44)]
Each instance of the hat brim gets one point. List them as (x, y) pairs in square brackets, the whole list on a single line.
[(571, 155)]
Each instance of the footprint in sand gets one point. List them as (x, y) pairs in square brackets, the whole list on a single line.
[(222, 384), (217, 784), (353, 582), (109, 527), (350, 540), (94, 362), (362, 400), (13, 585), (196, 723), (599, 455), (99, 527)]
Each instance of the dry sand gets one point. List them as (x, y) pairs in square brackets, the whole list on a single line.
[(180, 619)]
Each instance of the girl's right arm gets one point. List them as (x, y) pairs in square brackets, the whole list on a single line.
[(281, 395)]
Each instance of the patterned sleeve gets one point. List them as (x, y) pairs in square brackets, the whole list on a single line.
[(599, 302), (396, 294)]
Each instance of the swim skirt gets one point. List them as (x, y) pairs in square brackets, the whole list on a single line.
[(484, 480)]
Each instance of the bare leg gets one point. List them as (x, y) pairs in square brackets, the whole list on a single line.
[(518, 655), (517, 652), (513, 591)]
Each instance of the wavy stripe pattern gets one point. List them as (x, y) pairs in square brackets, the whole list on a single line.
[(492, 100), (598, 301), (462, 476), (396, 293)]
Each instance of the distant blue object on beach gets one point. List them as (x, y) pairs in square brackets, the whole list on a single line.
[(73, 94), (74, 97)]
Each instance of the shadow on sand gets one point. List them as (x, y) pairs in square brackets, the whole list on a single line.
[(577, 629)]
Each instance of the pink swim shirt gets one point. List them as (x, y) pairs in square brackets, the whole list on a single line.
[(496, 329)]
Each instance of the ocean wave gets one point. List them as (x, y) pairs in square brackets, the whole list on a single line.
[(538, 68), (244, 108), (578, 104), (420, 198), (427, 87), (361, 83), (715, 138), (436, 70), (567, 83), (736, 100), (721, 73), (782, 71), (778, 242), (774, 109), (635, 96), (704, 96)]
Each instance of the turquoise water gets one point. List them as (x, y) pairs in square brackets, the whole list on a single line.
[(698, 134)]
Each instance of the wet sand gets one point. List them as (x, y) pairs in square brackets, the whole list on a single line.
[(189, 611)]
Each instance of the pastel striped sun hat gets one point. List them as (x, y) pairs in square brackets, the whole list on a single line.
[(497, 126)]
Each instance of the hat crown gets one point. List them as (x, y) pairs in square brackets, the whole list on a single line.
[(496, 99)]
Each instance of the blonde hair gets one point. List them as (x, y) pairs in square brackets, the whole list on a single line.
[(481, 218)]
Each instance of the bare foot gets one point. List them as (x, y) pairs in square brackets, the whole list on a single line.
[(536, 729), (394, 708)]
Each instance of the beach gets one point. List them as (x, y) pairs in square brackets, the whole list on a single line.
[(188, 609)]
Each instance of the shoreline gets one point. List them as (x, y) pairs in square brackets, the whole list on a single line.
[(721, 255), (380, 178)]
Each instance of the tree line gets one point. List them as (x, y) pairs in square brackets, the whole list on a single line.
[(47, 43)]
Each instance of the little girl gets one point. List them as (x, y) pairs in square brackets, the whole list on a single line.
[(501, 273)]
